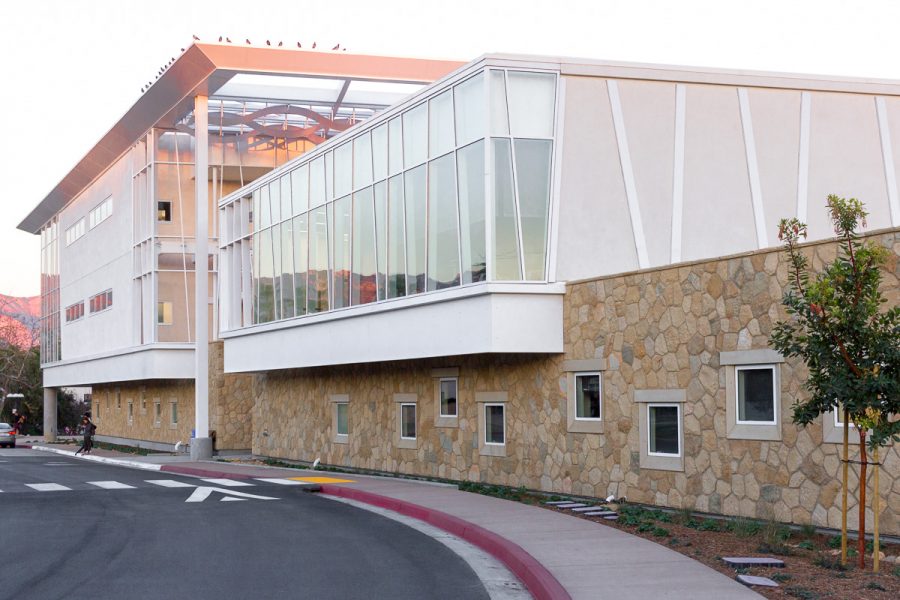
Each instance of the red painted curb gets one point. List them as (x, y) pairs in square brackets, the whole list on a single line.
[(202, 472), (539, 581)]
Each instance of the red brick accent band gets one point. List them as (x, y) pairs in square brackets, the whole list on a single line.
[(539, 581)]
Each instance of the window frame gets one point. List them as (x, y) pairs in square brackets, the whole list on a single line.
[(439, 376), (484, 399), (573, 369), (338, 400), (455, 381), (157, 413), (679, 431), (415, 435), (163, 303), (401, 441), (103, 211), (173, 413), (737, 395), (732, 361), (168, 212)]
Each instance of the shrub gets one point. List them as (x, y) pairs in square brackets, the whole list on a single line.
[(807, 530), (834, 541), (743, 528), (782, 577), (660, 532), (646, 527), (710, 525), (775, 533), (801, 592), (777, 548), (829, 562), (874, 585), (806, 545)]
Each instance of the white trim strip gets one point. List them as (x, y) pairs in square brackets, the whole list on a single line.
[(634, 208), (887, 155), (678, 173), (753, 169), (280, 481), (803, 165), (111, 485)]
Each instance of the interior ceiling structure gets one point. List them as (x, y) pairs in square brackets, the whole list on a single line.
[(306, 94)]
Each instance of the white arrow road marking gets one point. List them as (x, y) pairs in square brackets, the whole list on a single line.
[(228, 482), (280, 481), (202, 493), (230, 499)]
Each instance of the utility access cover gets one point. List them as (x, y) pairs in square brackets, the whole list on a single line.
[(202, 493)]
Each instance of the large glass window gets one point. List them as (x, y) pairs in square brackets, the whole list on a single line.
[(506, 241), (301, 256), (533, 186), (663, 425), (415, 136), (343, 170), (362, 161), (469, 103), (532, 97), (287, 269), (381, 236), (340, 247), (756, 395), (380, 151), (443, 230), (415, 230), (470, 167), (300, 189), (318, 261), (440, 124), (266, 277), (396, 282), (363, 284)]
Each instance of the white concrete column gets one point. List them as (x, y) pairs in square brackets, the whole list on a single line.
[(201, 445), (50, 414)]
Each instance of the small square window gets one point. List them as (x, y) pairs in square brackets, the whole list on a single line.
[(448, 397), (407, 421), (663, 425), (343, 423), (587, 396), (755, 395), (164, 211), (494, 424)]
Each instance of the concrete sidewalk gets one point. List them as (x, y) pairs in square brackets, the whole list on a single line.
[(555, 555)]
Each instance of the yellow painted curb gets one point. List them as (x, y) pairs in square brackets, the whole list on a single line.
[(321, 480)]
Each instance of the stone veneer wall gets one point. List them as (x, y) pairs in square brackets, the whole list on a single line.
[(230, 404), (656, 329)]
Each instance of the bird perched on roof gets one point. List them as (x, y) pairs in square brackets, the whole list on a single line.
[(314, 44), (196, 39), (280, 44), (228, 39), (220, 38), (337, 47), (298, 45), (247, 40), (268, 43)]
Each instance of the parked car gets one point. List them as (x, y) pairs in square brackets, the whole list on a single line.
[(7, 437)]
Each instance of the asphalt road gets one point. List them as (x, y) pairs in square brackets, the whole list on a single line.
[(146, 541)]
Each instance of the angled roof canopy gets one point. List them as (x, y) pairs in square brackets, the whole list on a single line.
[(290, 76)]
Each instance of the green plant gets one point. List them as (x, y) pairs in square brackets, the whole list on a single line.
[(710, 525), (774, 533), (851, 552), (660, 532), (834, 542), (684, 516), (782, 577), (807, 530), (776, 548), (829, 562), (874, 585), (646, 527), (743, 528), (806, 545), (896, 571), (801, 592)]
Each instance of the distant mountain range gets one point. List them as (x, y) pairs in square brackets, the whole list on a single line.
[(19, 320)]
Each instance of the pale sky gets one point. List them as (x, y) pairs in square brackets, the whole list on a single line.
[(71, 68)]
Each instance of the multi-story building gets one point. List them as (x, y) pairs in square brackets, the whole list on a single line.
[(120, 268), (559, 274)]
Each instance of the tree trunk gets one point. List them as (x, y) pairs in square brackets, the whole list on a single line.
[(861, 541), (844, 491), (876, 508)]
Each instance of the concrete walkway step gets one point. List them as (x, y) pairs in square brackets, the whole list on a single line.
[(752, 561), (752, 580)]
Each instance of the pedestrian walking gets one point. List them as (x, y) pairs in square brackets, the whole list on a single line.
[(88, 428), (14, 421)]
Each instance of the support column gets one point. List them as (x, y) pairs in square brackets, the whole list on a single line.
[(201, 444), (50, 414)]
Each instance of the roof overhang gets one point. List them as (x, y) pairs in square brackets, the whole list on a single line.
[(200, 71)]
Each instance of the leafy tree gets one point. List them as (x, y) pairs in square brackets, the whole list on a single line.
[(840, 326)]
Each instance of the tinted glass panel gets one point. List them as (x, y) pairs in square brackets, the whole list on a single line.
[(506, 241), (362, 161), (363, 284), (414, 184), (301, 255), (448, 397), (415, 136), (343, 426), (381, 235), (340, 247), (587, 396), (408, 420), (287, 270), (380, 151), (663, 428), (266, 277), (440, 124), (316, 182), (533, 178), (756, 400), (499, 119), (300, 189), (396, 259), (395, 143), (318, 261), (493, 424), (469, 102), (470, 167), (343, 173)]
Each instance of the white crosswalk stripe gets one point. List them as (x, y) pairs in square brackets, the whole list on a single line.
[(169, 483), (229, 482), (48, 487), (112, 485), (280, 481)]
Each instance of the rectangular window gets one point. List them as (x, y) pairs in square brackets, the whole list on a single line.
[(130, 412), (407, 421), (755, 395), (448, 397), (101, 212), (164, 211), (663, 425), (157, 413), (163, 313), (494, 424), (343, 422), (75, 231), (101, 301), (75, 311), (838, 413), (587, 396), (173, 413)]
